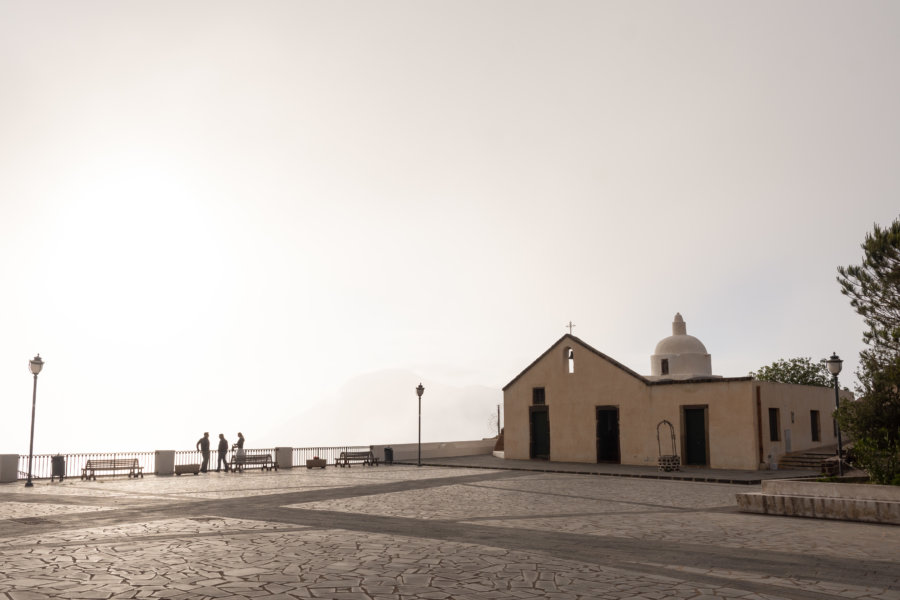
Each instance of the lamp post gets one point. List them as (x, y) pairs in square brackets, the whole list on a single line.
[(419, 391), (36, 364), (834, 367)]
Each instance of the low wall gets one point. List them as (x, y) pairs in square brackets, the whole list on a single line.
[(409, 452), (820, 500)]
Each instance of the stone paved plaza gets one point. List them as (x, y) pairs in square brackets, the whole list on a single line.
[(431, 533)]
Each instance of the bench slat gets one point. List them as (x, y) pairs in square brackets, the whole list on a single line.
[(112, 464), (346, 458), (263, 460)]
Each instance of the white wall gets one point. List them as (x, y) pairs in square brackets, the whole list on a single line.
[(407, 452)]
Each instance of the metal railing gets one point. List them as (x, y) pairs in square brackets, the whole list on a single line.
[(189, 457), (299, 456), (42, 464)]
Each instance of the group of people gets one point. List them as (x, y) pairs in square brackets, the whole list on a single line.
[(203, 447)]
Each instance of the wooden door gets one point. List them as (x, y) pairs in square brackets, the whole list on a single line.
[(540, 432), (695, 436), (608, 434)]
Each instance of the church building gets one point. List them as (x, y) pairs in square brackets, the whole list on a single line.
[(576, 404)]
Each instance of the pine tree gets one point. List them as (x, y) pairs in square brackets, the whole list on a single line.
[(874, 289)]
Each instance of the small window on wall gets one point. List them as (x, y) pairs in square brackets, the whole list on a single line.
[(537, 396), (571, 361), (664, 366), (774, 424), (814, 425)]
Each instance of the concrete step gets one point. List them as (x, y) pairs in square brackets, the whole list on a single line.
[(805, 461), (811, 459)]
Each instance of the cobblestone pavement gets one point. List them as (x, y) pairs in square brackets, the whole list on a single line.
[(402, 532)]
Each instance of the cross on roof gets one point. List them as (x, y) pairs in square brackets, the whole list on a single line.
[(571, 325)]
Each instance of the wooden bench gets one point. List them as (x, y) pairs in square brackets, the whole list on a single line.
[(347, 458), (250, 460), (112, 464)]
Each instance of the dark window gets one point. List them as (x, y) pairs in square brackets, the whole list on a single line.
[(537, 396), (774, 424), (665, 366), (814, 424)]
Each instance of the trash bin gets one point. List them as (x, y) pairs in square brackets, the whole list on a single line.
[(388, 455), (58, 467)]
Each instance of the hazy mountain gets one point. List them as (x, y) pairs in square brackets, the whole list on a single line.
[(382, 407)]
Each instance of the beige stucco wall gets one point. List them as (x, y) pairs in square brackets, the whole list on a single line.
[(799, 400), (571, 399), (573, 419), (734, 427), (731, 434)]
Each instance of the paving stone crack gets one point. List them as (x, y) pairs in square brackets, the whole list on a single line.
[(393, 533)]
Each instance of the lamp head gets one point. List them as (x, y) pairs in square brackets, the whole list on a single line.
[(834, 364), (36, 364), (420, 390)]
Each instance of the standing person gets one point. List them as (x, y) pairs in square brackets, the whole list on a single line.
[(203, 447), (238, 450), (223, 453)]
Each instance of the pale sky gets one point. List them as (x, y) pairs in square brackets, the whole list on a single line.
[(280, 217)]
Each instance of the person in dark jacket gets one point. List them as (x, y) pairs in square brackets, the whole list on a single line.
[(223, 453), (203, 447)]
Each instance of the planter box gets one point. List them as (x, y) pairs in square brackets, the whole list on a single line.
[(192, 468), (319, 463), (9, 468)]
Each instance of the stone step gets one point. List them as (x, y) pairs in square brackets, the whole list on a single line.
[(804, 460), (799, 467), (810, 468)]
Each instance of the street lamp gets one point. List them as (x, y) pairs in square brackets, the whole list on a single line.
[(834, 367), (419, 391), (36, 364)]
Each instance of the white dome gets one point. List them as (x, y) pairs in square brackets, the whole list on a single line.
[(680, 356), (680, 344)]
